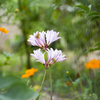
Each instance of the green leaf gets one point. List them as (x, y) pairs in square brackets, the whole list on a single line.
[(80, 12), (93, 14), (85, 8), (8, 81), (95, 96), (76, 82), (94, 18), (98, 44), (7, 55), (49, 12), (38, 97), (18, 91), (97, 47), (91, 50), (13, 88)]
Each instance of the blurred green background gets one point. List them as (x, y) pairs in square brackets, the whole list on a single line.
[(78, 33)]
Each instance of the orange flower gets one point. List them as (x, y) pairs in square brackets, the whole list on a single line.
[(25, 76), (92, 64), (3, 30), (29, 72)]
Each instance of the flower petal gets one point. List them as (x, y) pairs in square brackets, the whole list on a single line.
[(55, 56), (37, 39), (39, 56), (51, 36)]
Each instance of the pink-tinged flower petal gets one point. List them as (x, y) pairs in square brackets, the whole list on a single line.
[(51, 36), (37, 39), (55, 56), (50, 54), (39, 56)]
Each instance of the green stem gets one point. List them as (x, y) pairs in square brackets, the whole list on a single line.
[(81, 86), (50, 82), (59, 74), (74, 87), (43, 81), (71, 90)]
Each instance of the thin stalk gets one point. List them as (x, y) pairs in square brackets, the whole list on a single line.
[(74, 87), (71, 90), (42, 81), (81, 86), (60, 74), (50, 82)]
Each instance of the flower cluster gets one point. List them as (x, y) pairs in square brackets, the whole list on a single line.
[(43, 40), (92, 64), (29, 72), (3, 30)]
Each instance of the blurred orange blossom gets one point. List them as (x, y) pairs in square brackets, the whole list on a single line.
[(92, 64), (29, 72), (3, 30)]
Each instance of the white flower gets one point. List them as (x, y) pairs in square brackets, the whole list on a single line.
[(43, 39), (55, 56), (37, 39), (52, 36), (52, 56)]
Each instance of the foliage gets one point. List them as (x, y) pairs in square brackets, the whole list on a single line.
[(78, 22), (13, 85)]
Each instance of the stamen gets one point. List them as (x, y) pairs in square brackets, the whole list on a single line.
[(37, 35)]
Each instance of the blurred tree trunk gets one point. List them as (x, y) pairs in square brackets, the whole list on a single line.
[(27, 50), (24, 32)]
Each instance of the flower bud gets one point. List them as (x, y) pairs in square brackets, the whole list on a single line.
[(16, 10), (78, 75), (46, 56), (67, 72)]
